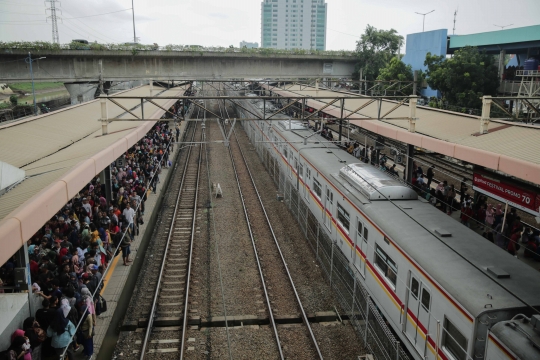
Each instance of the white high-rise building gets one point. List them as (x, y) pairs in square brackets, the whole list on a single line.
[(293, 24)]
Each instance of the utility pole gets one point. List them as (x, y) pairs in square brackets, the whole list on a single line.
[(455, 16), (29, 61), (53, 17), (133, 12), (424, 20)]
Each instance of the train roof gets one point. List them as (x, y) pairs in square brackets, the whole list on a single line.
[(465, 264), (520, 336)]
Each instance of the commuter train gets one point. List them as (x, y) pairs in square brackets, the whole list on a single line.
[(446, 291)]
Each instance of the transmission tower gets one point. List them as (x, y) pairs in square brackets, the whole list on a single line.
[(54, 19)]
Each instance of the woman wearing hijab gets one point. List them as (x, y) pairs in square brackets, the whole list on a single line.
[(89, 302), (86, 333), (60, 331)]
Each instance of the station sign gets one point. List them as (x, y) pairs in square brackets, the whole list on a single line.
[(522, 199)]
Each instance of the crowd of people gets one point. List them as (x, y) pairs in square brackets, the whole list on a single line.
[(506, 232), (70, 253)]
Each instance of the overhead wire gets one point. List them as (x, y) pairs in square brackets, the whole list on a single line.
[(93, 30)]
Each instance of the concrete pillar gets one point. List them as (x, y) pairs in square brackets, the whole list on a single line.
[(502, 55), (486, 109), (317, 84), (412, 113), (104, 116), (81, 92), (151, 83)]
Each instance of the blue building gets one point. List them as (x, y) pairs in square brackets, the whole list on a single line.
[(418, 45), (523, 42)]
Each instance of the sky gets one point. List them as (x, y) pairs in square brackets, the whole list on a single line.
[(227, 22)]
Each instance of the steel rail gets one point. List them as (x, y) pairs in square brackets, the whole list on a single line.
[(190, 253), (190, 256), (259, 267), (304, 316), (162, 267)]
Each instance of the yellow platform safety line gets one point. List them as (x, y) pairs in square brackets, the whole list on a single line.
[(109, 273)]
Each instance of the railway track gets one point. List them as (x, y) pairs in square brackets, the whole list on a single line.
[(171, 295), (271, 262)]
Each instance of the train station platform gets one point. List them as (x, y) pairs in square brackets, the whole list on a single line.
[(508, 147), (58, 154)]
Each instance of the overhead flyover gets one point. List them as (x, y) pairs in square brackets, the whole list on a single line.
[(60, 152), (109, 65), (508, 147)]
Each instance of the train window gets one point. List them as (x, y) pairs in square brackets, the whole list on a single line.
[(301, 170), (386, 265), (317, 187), (359, 229), (453, 341), (329, 198), (308, 173), (285, 152), (426, 297), (295, 164), (343, 217), (365, 233), (415, 285)]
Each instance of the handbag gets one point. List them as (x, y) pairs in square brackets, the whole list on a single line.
[(103, 304)]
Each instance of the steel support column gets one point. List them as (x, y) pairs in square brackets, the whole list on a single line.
[(409, 168), (341, 119)]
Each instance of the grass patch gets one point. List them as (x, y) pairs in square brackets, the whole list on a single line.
[(4, 105), (27, 87)]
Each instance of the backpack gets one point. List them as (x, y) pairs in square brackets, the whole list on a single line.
[(101, 305)]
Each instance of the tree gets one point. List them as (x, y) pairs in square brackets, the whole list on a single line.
[(13, 99), (464, 78), (374, 50), (396, 70)]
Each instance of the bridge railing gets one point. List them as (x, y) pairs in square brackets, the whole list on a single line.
[(47, 46)]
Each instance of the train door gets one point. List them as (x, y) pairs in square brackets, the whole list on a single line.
[(361, 242), (418, 308), (328, 204)]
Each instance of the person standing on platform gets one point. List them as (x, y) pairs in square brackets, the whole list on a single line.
[(86, 333), (430, 175), (463, 187), (129, 215)]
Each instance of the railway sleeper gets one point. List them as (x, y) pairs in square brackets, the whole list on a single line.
[(322, 317)]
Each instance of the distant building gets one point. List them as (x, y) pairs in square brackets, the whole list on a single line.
[(417, 47), (294, 24), (249, 45), (522, 42)]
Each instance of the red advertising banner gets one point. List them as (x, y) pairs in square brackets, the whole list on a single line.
[(522, 199)]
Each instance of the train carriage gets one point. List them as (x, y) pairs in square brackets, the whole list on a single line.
[(441, 286)]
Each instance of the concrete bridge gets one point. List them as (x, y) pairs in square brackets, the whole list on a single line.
[(71, 66)]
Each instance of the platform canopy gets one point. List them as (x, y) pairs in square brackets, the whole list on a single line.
[(511, 148), (60, 152)]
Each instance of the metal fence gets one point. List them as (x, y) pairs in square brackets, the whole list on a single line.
[(352, 296)]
